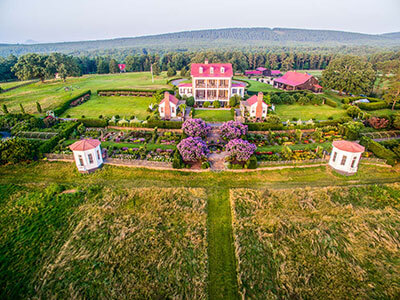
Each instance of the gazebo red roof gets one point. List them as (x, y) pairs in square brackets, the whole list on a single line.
[(83, 145), (348, 146), (293, 78)]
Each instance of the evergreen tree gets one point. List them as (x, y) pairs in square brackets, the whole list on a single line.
[(156, 69), (5, 109), (171, 72), (113, 67), (102, 66), (38, 108)]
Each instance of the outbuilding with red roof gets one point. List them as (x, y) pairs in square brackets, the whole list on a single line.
[(297, 81), (87, 155), (345, 156)]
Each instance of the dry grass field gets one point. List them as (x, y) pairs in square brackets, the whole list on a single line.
[(327, 243)]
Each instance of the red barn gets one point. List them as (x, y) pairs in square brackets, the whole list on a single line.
[(297, 81)]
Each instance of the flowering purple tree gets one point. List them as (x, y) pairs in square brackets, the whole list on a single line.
[(233, 130), (240, 150), (192, 149), (196, 128)]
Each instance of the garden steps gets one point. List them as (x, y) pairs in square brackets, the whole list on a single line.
[(217, 160)]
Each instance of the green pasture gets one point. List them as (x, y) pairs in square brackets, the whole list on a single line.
[(53, 93)]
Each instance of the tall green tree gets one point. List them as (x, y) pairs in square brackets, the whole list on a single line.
[(349, 74), (113, 66), (38, 108), (156, 69), (62, 72), (30, 66), (392, 93)]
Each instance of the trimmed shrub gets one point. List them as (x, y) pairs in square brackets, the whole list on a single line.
[(251, 163), (206, 104), (330, 102), (216, 104), (190, 101), (177, 162), (263, 126), (49, 145), (379, 150), (66, 105), (94, 122), (373, 105)]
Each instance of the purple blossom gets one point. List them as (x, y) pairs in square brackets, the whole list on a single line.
[(233, 130), (240, 150), (196, 128), (192, 149)]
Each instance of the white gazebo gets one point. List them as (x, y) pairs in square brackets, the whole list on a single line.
[(87, 155), (345, 156)]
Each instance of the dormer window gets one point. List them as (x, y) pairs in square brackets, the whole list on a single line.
[(222, 70), (201, 70), (212, 70)]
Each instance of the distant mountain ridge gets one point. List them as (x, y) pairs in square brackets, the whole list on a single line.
[(215, 38)]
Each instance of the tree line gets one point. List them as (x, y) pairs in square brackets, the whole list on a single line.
[(46, 65)]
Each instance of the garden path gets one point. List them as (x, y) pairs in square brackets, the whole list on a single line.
[(216, 160)]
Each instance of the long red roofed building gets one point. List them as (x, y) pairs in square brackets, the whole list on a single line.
[(297, 81)]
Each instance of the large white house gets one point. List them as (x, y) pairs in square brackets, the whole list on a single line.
[(345, 156), (169, 106), (87, 155), (254, 106), (211, 82)]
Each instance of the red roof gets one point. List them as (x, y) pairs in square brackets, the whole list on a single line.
[(261, 69), (318, 86), (293, 78), (275, 72), (252, 72), (348, 146), (238, 84), (195, 70), (172, 98), (185, 84), (84, 145)]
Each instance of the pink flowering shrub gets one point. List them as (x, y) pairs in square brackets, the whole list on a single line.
[(240, 150), (192, 149), (196, 128), (233, 130)]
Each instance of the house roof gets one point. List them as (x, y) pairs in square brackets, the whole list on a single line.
[(318, 86), (189, 84), (252, 100), (252, 72), (348, 146), (275, 72), (239, 84), (195, 70), (261, 69), (172, 98), (83, 145), (293, 78)]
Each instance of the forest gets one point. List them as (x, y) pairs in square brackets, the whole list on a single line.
[(68, 65)]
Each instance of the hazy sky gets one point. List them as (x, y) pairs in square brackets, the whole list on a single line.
[(73, 20)]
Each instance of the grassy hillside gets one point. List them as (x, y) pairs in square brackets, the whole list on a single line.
[(68, 235), (329, 243), (52, 93), (214, 39)]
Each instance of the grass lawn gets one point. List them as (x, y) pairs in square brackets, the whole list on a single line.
[(111, 106), (213, 115), (115, 227), (316, 73), (307, 112), (256, 86), (51, 93), (326, 243), (7, 85)]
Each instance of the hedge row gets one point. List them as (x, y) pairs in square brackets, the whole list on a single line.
[(378, 150), (152, 124), (373, 105), (66, 105), (130, 92), (330, 102), (263, 126), (49, 145), (93, 122)]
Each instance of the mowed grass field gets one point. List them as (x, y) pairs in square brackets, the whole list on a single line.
[(212, 115), (52, 93), (7, 85), (103, 243), (111, 106), (326, 243), (307, 112)]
